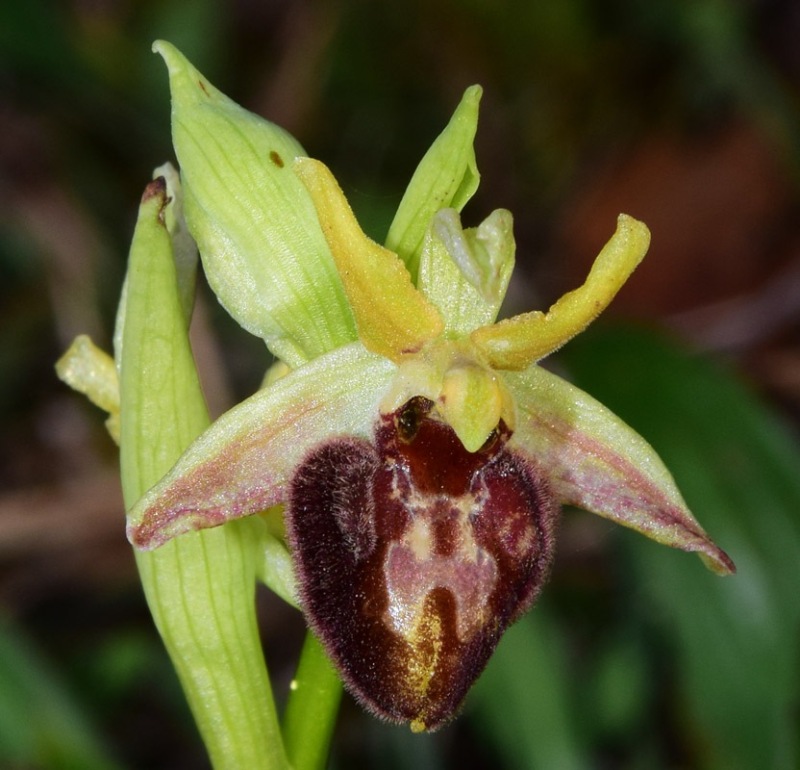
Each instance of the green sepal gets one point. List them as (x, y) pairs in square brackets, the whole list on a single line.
[(262, 247), (243, 463), (465, 273), (594, 461), (446, 177)]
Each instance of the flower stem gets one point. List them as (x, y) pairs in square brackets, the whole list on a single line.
[(310, 715)]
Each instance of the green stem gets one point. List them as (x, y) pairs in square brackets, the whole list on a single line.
[(310, 715), (200, 590), (200, 587)]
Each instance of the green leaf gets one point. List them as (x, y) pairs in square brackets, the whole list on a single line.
[(447, 177), (522, 702), (262, 247), (736, 640), (41, 724)]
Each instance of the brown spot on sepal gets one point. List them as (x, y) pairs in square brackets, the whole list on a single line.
[(414, 556), (157, 188), (276, 159)]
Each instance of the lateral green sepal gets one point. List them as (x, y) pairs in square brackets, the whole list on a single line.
[(593, 460)]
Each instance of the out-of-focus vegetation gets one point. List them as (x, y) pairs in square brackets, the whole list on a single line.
[(685, 114)]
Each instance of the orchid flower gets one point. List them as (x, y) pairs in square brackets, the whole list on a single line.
[(419, 452)]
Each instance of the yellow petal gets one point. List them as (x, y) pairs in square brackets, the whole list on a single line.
[(392, 317), (520, 341)]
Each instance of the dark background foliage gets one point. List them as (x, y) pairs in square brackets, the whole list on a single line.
[(683, 113)]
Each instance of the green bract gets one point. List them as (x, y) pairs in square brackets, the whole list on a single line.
[(214, 646)]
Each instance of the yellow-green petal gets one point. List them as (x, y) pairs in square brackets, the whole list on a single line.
[(392, 317), (262, 248), (593, 460), (520, 341), (465, 273), (91, 371), (446, 177)]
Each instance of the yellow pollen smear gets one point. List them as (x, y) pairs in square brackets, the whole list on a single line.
[(426, 644), (518, 342), (392, 317)]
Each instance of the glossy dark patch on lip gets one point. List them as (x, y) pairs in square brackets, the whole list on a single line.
[(414, 556)]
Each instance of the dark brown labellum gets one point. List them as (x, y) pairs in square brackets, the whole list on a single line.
[(414, 556)]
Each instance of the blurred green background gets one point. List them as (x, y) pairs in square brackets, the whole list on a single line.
[(684, 113)]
